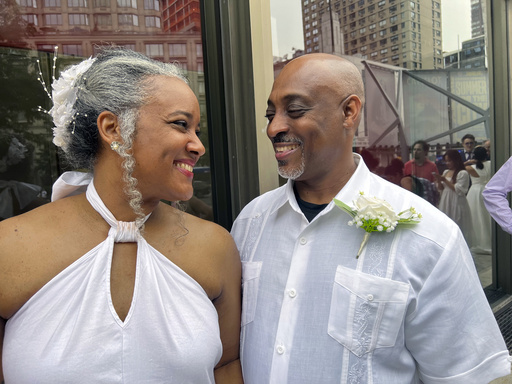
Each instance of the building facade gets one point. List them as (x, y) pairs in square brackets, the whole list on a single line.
[(478, 16), (81, 27), (394, 32)]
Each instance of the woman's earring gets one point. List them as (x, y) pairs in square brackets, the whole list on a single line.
[(114, 146)]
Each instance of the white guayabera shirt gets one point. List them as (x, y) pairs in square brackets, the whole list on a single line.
[(409, 310)]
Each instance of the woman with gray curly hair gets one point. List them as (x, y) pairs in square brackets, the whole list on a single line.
[(111, 285)]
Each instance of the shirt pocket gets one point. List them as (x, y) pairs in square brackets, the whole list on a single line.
[(366, 311), (250, 284)]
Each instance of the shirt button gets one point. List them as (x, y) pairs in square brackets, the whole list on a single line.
[(370, 297), (280, 349), (303, 240), (292, 293)]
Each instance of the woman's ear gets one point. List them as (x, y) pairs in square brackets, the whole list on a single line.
[(352, 111), (108, 127)]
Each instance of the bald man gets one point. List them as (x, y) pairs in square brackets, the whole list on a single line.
[(409, 308)]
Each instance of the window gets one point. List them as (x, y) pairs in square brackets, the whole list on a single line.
[(382, 33), (383, 51), (45, 47), (53, 19), (27, 3), (393, 19), (51, 3), (30, 19), (178, 50), (152, 4), (372, 26), (373, 54), (393, 29), (362, 31), (72, 49), (102, 3), (382, 23), (152, 22), (128, 20), (199, 50), (78, 19), (381, 3), (155, 50), (127, 3), (103, 19), (77, 3)]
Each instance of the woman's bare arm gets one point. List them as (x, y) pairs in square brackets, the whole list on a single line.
[(228, 305), (2, 327)]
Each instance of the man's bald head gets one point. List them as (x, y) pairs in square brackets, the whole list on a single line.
[(337, 74)]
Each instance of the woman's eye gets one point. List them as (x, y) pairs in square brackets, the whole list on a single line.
[(181, 123)]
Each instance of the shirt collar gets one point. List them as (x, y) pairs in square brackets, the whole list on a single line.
[(359, 181)]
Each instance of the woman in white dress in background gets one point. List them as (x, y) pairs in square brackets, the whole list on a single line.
[(453, 186), (480, 174)]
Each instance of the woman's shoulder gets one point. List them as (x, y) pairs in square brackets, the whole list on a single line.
[(193, 230), (43, 218), (47, 227)]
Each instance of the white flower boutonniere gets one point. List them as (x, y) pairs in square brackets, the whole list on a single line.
[(376, 215)]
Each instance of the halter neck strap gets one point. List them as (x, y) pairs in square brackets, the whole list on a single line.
[(123, 231)]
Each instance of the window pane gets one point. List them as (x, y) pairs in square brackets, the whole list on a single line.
[(166, 31), (441, 43)]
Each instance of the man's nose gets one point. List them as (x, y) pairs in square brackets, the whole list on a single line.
[(277, 125)]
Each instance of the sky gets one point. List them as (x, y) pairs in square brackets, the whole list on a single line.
[(287, 25)]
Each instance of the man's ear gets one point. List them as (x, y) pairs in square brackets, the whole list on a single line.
[(352, 110), (108, 127)]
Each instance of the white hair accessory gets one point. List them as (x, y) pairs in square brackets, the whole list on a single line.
[(63, 96)]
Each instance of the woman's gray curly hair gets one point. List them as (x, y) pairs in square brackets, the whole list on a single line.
[(115, 82)]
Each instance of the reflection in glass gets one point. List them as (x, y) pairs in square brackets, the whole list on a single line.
[(168, 31), (424, 79)]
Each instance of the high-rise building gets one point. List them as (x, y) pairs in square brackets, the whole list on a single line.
[(81, 27), (477, 18), (396, 32), (181, 15)]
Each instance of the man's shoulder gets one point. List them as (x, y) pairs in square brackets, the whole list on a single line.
[(264, 202)]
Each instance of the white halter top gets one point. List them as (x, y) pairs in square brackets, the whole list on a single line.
[(69, 331)]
